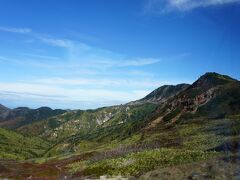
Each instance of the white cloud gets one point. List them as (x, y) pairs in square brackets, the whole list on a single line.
[(76, 93), (128, 62), (64, 43), (67, 91), (163, 6), (78, 54), (140, 62), (16, 30), (46, 93), (88, 55), (103, 82), (103, 77), (57, 42)]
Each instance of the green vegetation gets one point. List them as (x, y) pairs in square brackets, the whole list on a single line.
[(225, 104), (123, 125), (59, 127), (92, 123), (198, 135), (139, 162), (20, 147), (171, 115), (219, 77), (196, 138)]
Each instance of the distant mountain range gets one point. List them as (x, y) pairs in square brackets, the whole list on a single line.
[(183, 120), (14, 118)]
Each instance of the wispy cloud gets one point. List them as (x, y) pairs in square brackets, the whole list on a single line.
[(140, 62), (164, 6), (57, 42), (40, 56), (65, 43), (51, 94), (82, 36), (76, 73), (84, 93), (128, 62), (81, 54), (15, 30), (129, 83)]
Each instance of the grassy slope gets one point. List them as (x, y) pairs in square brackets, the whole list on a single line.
[(185, 142), (70, 123), (79, 122), (124, 124), (17, 146)]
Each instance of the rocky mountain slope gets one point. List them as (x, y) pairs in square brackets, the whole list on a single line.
[(212, 95)]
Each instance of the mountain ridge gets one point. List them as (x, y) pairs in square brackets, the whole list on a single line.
[(14, 118), (174, 102), (161, 94), (193, 125)]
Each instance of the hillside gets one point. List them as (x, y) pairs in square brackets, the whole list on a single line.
[(17, 146), (176, 125), (76, 122)]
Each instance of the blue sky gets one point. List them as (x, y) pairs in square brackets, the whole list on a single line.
[(92, 53)]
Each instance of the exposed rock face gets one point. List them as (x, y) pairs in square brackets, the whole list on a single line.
[(212, 95), (191, 104)]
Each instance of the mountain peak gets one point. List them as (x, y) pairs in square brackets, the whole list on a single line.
[(210, 79), (215, 75)]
